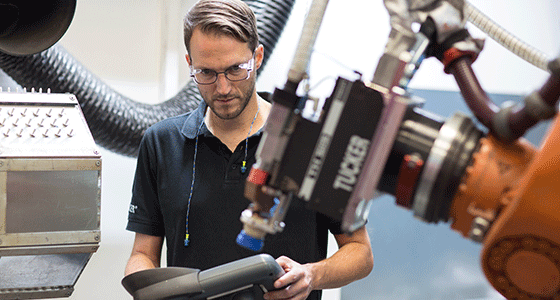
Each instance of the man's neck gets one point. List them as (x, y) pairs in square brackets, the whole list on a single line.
[(233, 131)]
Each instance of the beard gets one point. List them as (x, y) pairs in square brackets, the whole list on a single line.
[(242, 98)]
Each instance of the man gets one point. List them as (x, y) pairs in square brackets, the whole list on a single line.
[(189, 181)]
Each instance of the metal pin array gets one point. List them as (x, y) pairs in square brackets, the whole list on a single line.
[(34, 122), (24, 90)]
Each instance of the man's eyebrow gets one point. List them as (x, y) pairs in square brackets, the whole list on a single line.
[(227, 68), (235, 65)]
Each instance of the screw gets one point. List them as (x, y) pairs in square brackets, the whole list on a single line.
[(478, 229)]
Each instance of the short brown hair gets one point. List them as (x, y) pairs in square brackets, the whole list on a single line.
[(229, 17)]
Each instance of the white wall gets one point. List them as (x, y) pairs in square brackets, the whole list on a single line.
[(122, 41), (128, 45)]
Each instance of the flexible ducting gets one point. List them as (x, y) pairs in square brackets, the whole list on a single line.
[(117, 122), (506, 39)]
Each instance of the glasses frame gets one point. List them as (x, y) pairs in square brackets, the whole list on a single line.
[(249, 66)]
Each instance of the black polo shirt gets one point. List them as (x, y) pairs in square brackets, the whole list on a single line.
[(161, 190)]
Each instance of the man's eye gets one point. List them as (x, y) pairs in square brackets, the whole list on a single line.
[(235, 70), (206, 72)]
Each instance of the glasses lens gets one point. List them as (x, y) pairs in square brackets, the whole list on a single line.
[(205, 77), (237, 74)]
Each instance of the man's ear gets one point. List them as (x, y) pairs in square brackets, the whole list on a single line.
[(259, 56), (188, 59)]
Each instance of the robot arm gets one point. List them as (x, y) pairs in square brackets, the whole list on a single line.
[(491, 185)]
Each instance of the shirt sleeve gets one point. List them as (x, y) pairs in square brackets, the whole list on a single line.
[(144, 213), (332, 225)]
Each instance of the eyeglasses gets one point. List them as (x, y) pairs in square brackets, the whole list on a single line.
[(235, 73)]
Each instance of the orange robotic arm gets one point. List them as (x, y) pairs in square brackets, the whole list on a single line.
[(508, 198), (509, 201)]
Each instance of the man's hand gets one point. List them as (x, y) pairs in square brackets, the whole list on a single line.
[(296, 284), (351, 262)]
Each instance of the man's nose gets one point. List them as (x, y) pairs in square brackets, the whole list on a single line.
[(223, 85)]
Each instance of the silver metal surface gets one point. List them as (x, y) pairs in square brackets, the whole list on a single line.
[(439, 151), (50, 195), (259, 226), (49, 201), (398, 54), (89, 244), (355, 215), (448, 19), (479, 228), (44, 276), (43, 201), (270, 151)]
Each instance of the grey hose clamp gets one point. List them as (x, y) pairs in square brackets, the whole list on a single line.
[(537, 108), (554, 67), (500, 123)]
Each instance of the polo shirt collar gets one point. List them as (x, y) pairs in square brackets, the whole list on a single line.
[(193, 121)]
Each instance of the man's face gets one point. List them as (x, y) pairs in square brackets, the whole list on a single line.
[(226, 99)]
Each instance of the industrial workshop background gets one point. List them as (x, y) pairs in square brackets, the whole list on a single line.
[(136, 47)]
